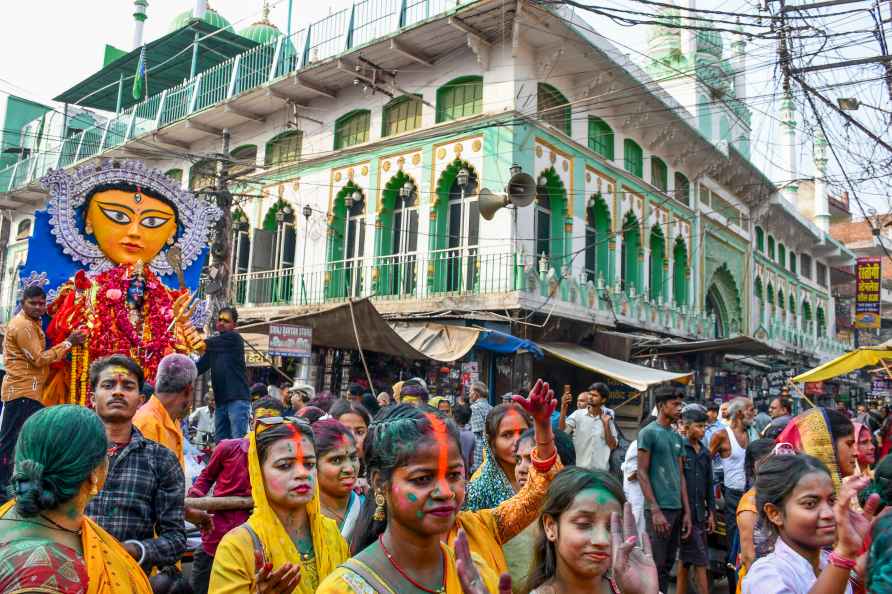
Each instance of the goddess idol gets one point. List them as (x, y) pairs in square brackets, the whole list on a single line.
[(111, 244)]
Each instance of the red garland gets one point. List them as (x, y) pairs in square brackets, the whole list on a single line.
[(112, 331)]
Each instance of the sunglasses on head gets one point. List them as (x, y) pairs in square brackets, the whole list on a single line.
[(273, 421), (223, 320)]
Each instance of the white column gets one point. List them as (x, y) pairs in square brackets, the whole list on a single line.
[(139, 19), (789, 165), (201, 7), (821, 205)]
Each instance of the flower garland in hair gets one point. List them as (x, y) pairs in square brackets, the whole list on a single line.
[(115, 334)]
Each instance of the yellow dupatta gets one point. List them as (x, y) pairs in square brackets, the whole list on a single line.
[(329, 547), (110, 568), (809, 433)]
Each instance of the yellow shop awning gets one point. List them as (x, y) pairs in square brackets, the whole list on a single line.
[(847, 363), (635, 376)]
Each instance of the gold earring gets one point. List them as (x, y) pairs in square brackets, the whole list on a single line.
[(88, 228), (170, 240), (380, 502), (93, 490)]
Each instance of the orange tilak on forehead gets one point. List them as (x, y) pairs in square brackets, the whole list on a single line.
[(297, 440), (441, 437), (512, 416)]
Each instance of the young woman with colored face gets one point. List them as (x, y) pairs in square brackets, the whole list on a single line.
[(795, 494), (288, 545), (866, 450), (587, 540), (495, 482), (487, 529), (338, 471), (417, 473), (355, 417)]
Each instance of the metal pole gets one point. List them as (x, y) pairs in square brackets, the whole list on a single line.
[(120, 94), (303, 258), (194, 68), (288, 28)]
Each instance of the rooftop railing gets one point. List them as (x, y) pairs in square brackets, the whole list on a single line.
[(338, 33)]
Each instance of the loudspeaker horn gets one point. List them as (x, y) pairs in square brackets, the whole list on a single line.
[(489, 203), (521, 189)]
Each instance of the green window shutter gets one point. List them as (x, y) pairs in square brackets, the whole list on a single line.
[(760, 239), (659, 173), (352, 129), (403, 114), (793, 262), (460, 98), (549, 101), (634, 157), (176, 174), (782, 255), (284, 148), (657, 255), (771, 247), (679, 273), (600, 137)]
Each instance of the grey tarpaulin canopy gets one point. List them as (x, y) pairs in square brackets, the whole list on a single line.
[(333, 327), (737, 345), (636, 376)]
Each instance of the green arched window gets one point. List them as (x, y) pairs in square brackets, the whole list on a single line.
[(554, 108), (682, 188), (352, 128), (630, 272), (680, 272), (781, 303), (402, 114), (283, 148), (203, 175), (657, 257), (633, 157), (793, 262), (704, 116), (806, 314), (760, 239), (791, 304), (821, 319), (770, 293), (597, 236), (346, 243), (176, 174), (551, 213), (600, 137), (724, 129), (659, 173), (244, 160), (760, 298), (782, 255), (460, 98), (396, 237), (771, 247), (454, 231)]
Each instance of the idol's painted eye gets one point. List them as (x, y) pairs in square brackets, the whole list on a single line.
[(117, 216), (153, 222)]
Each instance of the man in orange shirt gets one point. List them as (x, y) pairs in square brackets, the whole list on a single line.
[(27, 366), (159, 418)]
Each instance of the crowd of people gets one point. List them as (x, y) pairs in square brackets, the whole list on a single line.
[(401, 492)]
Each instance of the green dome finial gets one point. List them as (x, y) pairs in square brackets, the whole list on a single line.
[(211, 17)]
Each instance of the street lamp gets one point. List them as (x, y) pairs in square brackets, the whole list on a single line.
[(462, 178), (407, 190), (353, 198), (515, 169)]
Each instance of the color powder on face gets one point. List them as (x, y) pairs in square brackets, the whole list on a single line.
[(412, 497), (441, 437), (297, 440), (601, 495)]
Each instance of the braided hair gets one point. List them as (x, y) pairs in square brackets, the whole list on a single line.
[(393, 438)]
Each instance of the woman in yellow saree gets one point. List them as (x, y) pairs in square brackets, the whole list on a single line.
[(827, 435), (60, 464), (287, 545)]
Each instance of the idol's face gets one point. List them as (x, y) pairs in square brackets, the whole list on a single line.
[(128, 228)]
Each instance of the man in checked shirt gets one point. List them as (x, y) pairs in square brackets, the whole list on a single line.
[(141, 503)]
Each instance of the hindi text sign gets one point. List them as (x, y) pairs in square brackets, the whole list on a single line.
[(868, 275), (286, 340)]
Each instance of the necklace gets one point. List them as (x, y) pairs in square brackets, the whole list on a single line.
[(338, 516), (58, 526), (440, 590)]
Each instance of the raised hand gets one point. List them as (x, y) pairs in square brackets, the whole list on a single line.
[(281, 581), (852, 528), (633, 567), (540, 404), (468, 576)]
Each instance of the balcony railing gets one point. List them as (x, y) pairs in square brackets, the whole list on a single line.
[(462, 272), (338, 33)]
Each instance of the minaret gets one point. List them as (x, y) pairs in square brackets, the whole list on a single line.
[(790, 170), (738, 62), (201, 7), (689, 34), (139, 18), (821, 206)]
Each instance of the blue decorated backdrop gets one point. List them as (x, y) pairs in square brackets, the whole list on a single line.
[(46, 256)]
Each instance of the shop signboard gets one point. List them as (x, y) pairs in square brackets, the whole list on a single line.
[(287, 340), (868, 272), (881, 387)]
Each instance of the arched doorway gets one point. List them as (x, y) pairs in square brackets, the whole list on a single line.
[(723, 301), (455, 229), (396, 241), (346, 243)]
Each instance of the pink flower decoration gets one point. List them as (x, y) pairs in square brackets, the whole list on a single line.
[(113, 294)]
